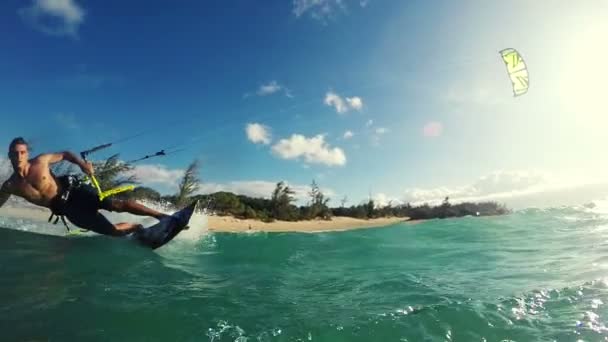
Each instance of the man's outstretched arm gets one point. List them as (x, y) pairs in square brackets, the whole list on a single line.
[(4, 194), (52, 158)]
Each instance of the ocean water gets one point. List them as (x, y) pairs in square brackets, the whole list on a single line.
[(534, 275)]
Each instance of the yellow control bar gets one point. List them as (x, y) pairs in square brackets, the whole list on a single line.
[(104, 194)]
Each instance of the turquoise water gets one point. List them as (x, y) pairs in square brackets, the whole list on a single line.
[(535, 275)]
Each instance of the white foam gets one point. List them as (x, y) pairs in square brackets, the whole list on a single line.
[(198, 228), (28, 224)]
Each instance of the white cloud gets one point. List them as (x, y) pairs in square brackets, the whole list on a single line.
[(332, 99), (432, 195), (54, 17), (323, 9), (268, 89), (517, 189), (494, 183), (355, 102), (432, 129), (341, 105), (382, 200), (348, 134), (318, 9), (249, 188), (312, 150), (157, 174), (501, 181), (258, 134)]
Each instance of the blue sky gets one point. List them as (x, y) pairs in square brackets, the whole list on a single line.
[(406, 99)]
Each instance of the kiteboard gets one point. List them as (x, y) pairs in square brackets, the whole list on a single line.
[(164, 231)]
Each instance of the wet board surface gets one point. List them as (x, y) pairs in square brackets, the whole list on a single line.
[(164, 231)]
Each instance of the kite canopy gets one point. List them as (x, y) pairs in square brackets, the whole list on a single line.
[(517, 69)]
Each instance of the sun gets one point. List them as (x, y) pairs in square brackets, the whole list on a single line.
[(585, 75)]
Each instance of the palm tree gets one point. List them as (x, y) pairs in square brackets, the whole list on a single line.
[(281, 200), (189, 184), (113, 173), (343, 201)]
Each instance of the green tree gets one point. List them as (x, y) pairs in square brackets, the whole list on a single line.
[(281, 200), (143, 192), (249, 213), (188, 185), (369, 208), (318, 203), (113, 172), (226, 203)]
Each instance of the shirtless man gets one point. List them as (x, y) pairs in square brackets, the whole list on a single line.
[(65, 196)]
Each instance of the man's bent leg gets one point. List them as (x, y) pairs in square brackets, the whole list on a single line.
[(100, 224), (126, 228), (135, 208)]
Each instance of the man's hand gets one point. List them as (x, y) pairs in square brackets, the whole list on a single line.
[(87, 168)]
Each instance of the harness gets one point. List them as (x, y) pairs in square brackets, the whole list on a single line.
[(58, 204)]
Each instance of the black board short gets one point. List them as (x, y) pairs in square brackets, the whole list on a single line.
[(82, 209)]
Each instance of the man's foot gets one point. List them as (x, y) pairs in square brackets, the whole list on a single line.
[(125, 228), (161, 217)]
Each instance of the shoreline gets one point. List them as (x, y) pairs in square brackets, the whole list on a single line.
[(229, 224)]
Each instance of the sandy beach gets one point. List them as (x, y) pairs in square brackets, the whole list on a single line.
[(231, 224)]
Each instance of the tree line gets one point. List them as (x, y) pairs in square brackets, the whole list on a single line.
[(281, 205)]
